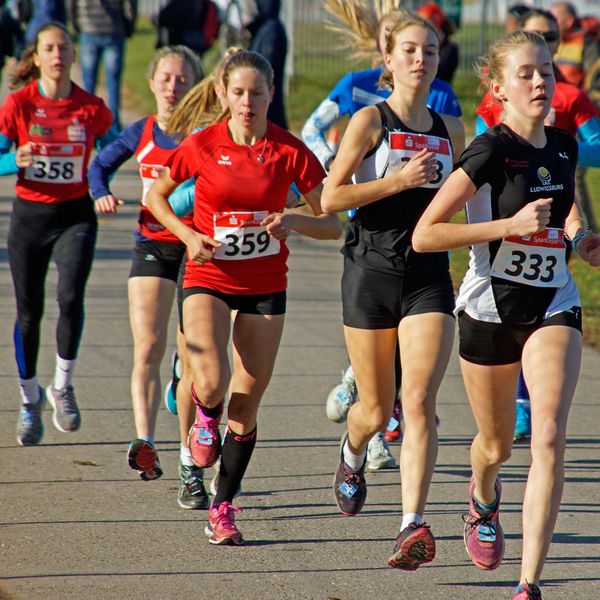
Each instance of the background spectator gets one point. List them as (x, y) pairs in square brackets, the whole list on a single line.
[(43, 12), (103, 28)]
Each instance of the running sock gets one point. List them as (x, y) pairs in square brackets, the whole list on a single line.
[(485, 509), (354, 461), (63, 374), (185, 456), (147, 438), (524, 402), (212, 413), (30, 390), (408, 518), (235, 456)]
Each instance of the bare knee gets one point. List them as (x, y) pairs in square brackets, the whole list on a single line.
[(494, 450), (548, 443)]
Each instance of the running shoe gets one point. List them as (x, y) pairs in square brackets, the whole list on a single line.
[(342, 397), (142, 457), (30, 427), (393, 433), (378, 454), (484, 538), (66, 416), (415, 545), (214, 482), (349, 486), (170, 395), (523, 422), (192, 493), (205, 439), (221, 527), (527, 591)]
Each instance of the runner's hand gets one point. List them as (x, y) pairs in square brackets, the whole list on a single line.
[(419, 170), (533, 217), (24, 156), (278, 225), (589, 249), (108, 204), (201, 248)]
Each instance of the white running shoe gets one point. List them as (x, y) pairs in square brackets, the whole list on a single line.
[(342, 397), (379, 455)]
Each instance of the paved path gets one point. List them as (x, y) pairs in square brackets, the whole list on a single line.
[(76, 523)]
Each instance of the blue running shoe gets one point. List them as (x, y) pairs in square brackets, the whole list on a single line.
[(171, 389), (523, 423), (30, 427)]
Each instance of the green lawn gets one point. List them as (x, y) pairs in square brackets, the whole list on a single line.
[(316, 73)]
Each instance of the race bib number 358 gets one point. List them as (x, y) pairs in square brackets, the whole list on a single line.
[(242, 236), (56, 163), (538, 260)]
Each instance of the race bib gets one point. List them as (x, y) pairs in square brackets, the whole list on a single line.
[(537, 259), (242, 236), (404, 145), (148, 173), (56, 163)]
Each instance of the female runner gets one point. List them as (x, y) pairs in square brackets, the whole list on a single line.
[(518, 306), (237, 262), (571, 110), (54, 124), (399, 151), (157, 253)]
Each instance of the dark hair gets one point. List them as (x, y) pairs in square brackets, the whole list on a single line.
[(537, 12), (518, 10), (27, 71), (247, 59)]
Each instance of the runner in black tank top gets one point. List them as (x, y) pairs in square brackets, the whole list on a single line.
[(518, 304), (398, 153)]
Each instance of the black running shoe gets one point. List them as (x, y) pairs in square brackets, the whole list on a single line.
[(349, 486), (192, 493)]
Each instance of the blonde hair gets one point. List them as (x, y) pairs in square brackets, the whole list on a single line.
[(201, 106), (359, 22), (489, 67), (387, 79), (27, 71), (184, 53)]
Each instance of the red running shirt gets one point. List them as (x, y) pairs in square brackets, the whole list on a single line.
[(234, 191), (62, 134), (151, 160), (571, 108)]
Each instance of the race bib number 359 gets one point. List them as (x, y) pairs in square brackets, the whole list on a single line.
[(538, 260), (242, 236), (56, 163)]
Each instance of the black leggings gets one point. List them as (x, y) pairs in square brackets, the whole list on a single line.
[(38, 231)]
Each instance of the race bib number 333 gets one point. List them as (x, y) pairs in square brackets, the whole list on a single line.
[(538, 259), (242, 236), (56, 163)]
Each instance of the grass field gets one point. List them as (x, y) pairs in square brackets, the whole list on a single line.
[(316, 73)]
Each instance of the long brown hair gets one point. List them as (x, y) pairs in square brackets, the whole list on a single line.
[(27, 71)]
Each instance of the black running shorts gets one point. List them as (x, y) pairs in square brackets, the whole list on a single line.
[(156, 259), (375, 300), (485, 343)]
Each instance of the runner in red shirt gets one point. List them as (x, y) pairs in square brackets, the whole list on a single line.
[(237, 254), (54, 124)]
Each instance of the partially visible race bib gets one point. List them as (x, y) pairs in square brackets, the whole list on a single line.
[(537, 259), (404, 145), (242, 236), (148, 173), (56, 163)]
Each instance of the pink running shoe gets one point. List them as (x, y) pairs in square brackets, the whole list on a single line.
[(221, 527), (484, 538), (527, 591), (205, 439), (415, 545)]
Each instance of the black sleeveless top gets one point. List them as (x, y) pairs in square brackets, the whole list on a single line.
[(379, 235)]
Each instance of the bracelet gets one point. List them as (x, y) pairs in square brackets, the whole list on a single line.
[(578, 237), (575, 220)]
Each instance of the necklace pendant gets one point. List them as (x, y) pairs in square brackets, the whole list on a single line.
[(260, 158)]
